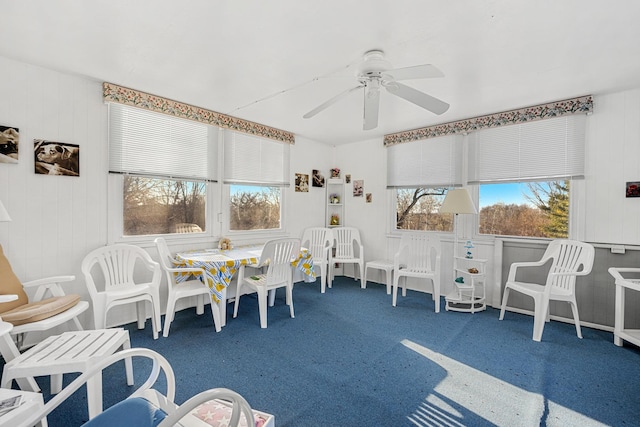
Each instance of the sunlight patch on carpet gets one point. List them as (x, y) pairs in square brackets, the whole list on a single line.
[(467, 390)]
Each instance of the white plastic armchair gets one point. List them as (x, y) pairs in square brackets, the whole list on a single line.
[(119, 284), (349, 250), (569, 259), (146, 406), (188, 288), (49, 306), (419, 257), (319, 241)]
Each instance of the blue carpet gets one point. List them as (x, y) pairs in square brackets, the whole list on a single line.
[(351, 359)]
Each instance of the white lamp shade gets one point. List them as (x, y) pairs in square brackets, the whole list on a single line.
[(458, 201), (4, 215)]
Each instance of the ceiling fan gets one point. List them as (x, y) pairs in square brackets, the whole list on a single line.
[(374, 73)]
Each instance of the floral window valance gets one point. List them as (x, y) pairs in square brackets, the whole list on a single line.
[(123, 95), (583, 104)]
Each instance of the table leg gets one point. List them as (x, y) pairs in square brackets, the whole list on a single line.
[(619, 315), (94, 395), (56, 383), (9, 352), (128, 364), (222, 307)]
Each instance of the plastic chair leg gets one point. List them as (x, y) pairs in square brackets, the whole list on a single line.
[(539, 317), (262, 306), (505, 296), (395, 291), (576, 317), (169, 315)]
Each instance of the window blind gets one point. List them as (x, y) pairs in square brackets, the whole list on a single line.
[(434, 162), (551, 149), (253, 160), (143, 142)]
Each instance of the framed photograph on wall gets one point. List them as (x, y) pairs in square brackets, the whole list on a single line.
[(9, 144), (302, 182), (633, 189), (358, 187), (56, 158), (317, 179)]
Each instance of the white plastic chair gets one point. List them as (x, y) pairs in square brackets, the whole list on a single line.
[(319, 241), (418, 256), (146, 405), (276, 257), (48, 308), (117, 263), (189, 288), (347, 244), (569, 259)]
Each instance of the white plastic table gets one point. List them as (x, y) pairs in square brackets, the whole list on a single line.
[(70, 352), (31, 402)]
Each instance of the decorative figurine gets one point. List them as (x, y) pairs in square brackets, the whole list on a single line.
[(224, 244), (469, 246)]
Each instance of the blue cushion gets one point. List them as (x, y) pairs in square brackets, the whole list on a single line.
[(134, 412)]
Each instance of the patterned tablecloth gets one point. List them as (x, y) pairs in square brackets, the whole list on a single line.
[(220, 266)]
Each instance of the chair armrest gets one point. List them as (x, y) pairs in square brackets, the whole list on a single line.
[(51, 284), (516, 265), (240, 405), (160, 364), (48, 281)]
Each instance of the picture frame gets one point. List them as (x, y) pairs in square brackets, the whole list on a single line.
[(317, 179), (358, 188), (56, 158), (633, 189), (302, 182), (9, 144)]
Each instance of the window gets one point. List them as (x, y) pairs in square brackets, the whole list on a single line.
[(162, 206), (254, 208), (420, 172), (164, 165), (524, 172), (419, 209), (531, 209), (256, 169)]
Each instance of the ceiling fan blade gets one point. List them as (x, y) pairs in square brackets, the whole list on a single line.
[(421, 99), (371, 106), (330, 102), (425, 71)]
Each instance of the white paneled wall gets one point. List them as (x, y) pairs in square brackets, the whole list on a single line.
[(56, 219), (613, 156)]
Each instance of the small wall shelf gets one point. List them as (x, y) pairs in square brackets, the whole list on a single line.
[(334, 216)]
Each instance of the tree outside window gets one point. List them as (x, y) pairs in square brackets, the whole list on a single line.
[(532, 209), (254, 208), (419, 209), (162, 206)]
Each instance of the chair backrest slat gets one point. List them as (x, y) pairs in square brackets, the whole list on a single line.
[(419, 251), (569, 256), (277, 255)]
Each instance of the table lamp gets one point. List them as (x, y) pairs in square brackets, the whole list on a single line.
[(457, 201), (4, 215)]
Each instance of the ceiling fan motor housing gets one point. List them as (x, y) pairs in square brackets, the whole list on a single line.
[(373, 65)]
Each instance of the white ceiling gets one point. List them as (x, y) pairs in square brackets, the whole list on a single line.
[(272, 61)]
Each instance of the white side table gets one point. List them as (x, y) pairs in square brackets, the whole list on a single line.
[(71, 352), (469, 296), (31, 402), (385, 265), (621, 333)]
